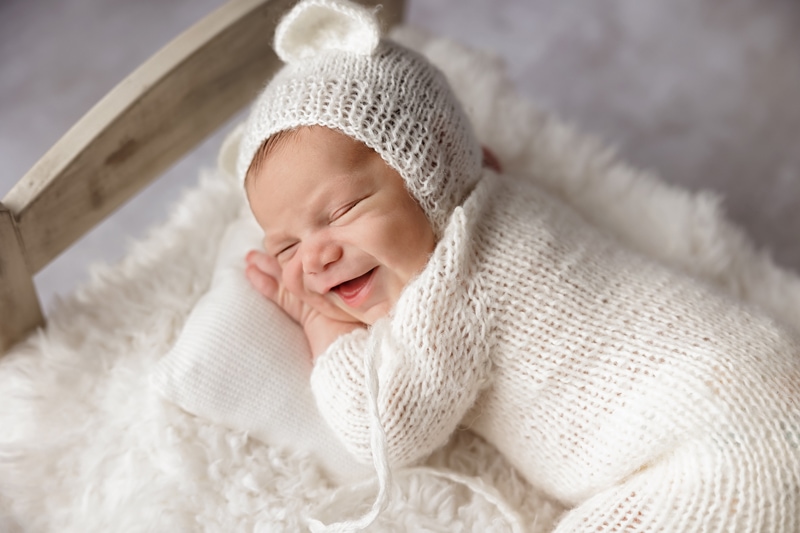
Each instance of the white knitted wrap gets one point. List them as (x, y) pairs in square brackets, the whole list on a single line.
[(642, 399), (340, 74)]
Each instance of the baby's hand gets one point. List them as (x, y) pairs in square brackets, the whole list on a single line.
[(264, 274)]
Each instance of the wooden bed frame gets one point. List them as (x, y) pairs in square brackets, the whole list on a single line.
[(151, 119)]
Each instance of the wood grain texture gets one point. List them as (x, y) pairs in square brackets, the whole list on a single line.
[(19, 307), (143, 125)]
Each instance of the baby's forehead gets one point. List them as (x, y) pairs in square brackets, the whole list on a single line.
[(314, 135), (323, 155), (305, 139)]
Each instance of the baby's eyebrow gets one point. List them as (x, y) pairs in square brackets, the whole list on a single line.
[(272, 242)]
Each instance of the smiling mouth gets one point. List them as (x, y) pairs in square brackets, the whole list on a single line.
[(355, 291)]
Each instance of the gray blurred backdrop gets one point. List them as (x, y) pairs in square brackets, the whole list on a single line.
[(704, 92)]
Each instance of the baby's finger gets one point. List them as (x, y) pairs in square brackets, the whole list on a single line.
[(264, 262), (265, 284)]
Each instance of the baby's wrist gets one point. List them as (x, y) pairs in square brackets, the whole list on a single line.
[(321, 332)]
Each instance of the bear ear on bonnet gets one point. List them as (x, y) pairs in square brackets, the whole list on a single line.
[(316, 26)]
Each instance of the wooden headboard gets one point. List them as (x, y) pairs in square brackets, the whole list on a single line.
[(151, 119)]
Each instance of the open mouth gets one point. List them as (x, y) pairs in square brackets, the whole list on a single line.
[(356, 290)]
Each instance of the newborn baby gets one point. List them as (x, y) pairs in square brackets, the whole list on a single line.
[(638, 397), (343, 235)]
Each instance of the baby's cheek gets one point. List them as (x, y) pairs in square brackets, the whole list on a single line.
[(292, 277)]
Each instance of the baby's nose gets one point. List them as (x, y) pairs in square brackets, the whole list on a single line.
[(320, 256)]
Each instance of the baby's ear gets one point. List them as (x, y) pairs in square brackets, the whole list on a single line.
[(316, 26)]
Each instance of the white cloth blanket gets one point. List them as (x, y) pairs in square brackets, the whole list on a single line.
[(86, 444)]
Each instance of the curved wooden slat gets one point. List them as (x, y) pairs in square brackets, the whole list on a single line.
[(19, 306), (151, 119)]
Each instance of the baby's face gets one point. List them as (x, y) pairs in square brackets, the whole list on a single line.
[(340, 222)]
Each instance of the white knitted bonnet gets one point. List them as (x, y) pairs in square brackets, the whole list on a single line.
[(339, 73)]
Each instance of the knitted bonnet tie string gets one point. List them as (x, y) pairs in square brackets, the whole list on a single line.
[(380, 458), (380, 455)]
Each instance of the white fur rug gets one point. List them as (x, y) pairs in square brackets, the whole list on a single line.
[(86, 445)]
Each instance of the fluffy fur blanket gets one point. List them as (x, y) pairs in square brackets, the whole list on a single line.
[(86, 445)]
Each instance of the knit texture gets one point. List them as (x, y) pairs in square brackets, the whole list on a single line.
[(340, 75), (641, 398)]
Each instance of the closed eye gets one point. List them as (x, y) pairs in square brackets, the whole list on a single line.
[(284, 253), (344, 210)]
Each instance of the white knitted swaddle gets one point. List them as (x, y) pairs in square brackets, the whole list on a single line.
[(639, 397)]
